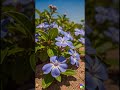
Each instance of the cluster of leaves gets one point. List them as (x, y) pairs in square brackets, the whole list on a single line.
[(57, 39), (17, 43)]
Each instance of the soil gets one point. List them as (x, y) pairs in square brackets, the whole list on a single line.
[(68, 82)]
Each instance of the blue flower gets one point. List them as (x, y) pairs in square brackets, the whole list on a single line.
[(100, 18), (56, 66), (43, 25), (74, 58), (88, 29), (60, 30), (4, 30), (53, 25), (36, 37), (9, 2), (95, 73), (82, 40), (68, 35), (112, 33), (63, 42), (79, 32)]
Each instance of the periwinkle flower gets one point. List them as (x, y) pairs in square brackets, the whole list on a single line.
[(4, 30), (24, 2), (100, 18), (68, 35), (74, 58), (43, 25), (112, 33), (82, 40), (88, 30), (79, 32), (63, 42), (104, 14), (36, 37), (100, 9), (90, 50), (113, 15), (60, 30), (9, 2), (53, 25), (56, 66), (95, 73)]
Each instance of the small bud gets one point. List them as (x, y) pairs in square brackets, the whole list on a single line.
[(53, 8)]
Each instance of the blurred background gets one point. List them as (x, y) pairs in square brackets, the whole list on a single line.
[(102, 17)]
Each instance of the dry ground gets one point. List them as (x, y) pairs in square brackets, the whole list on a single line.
[(68, 83)]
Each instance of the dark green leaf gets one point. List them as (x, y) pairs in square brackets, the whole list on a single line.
[(47, 81), (22, 20), (44, 35), (15, 50), (38, 48), (3, 54), (18, 28), (53, 33), (43, 55), (32, 61)]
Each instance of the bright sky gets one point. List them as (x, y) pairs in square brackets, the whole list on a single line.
[(75, 9)]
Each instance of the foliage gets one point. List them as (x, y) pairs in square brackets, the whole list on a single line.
[(59, 40)]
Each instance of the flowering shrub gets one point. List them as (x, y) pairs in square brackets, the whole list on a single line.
[(57, 43)]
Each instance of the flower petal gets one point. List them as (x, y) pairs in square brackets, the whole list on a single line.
[(64, 45), (55, 72), (53, 59), (90, 82), (47, 68), (72, 60), (62, 59), (77, 63), (63, 67), (58, 43), (58, 38), (70, 44)]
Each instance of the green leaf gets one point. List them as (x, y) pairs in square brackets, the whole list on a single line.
[(78, 45), (53, 33), (23, 21), (3, 54), (38, 12), (43, 35), (58, 78), (50, 52), (38, 48), (69, 72), (43, 55), (32, 61), (15, 50), (47, 81), (18, 28)]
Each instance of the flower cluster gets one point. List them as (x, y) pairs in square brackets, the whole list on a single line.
[(104, 14), (59, 41), (64, 40), (80, 32)]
